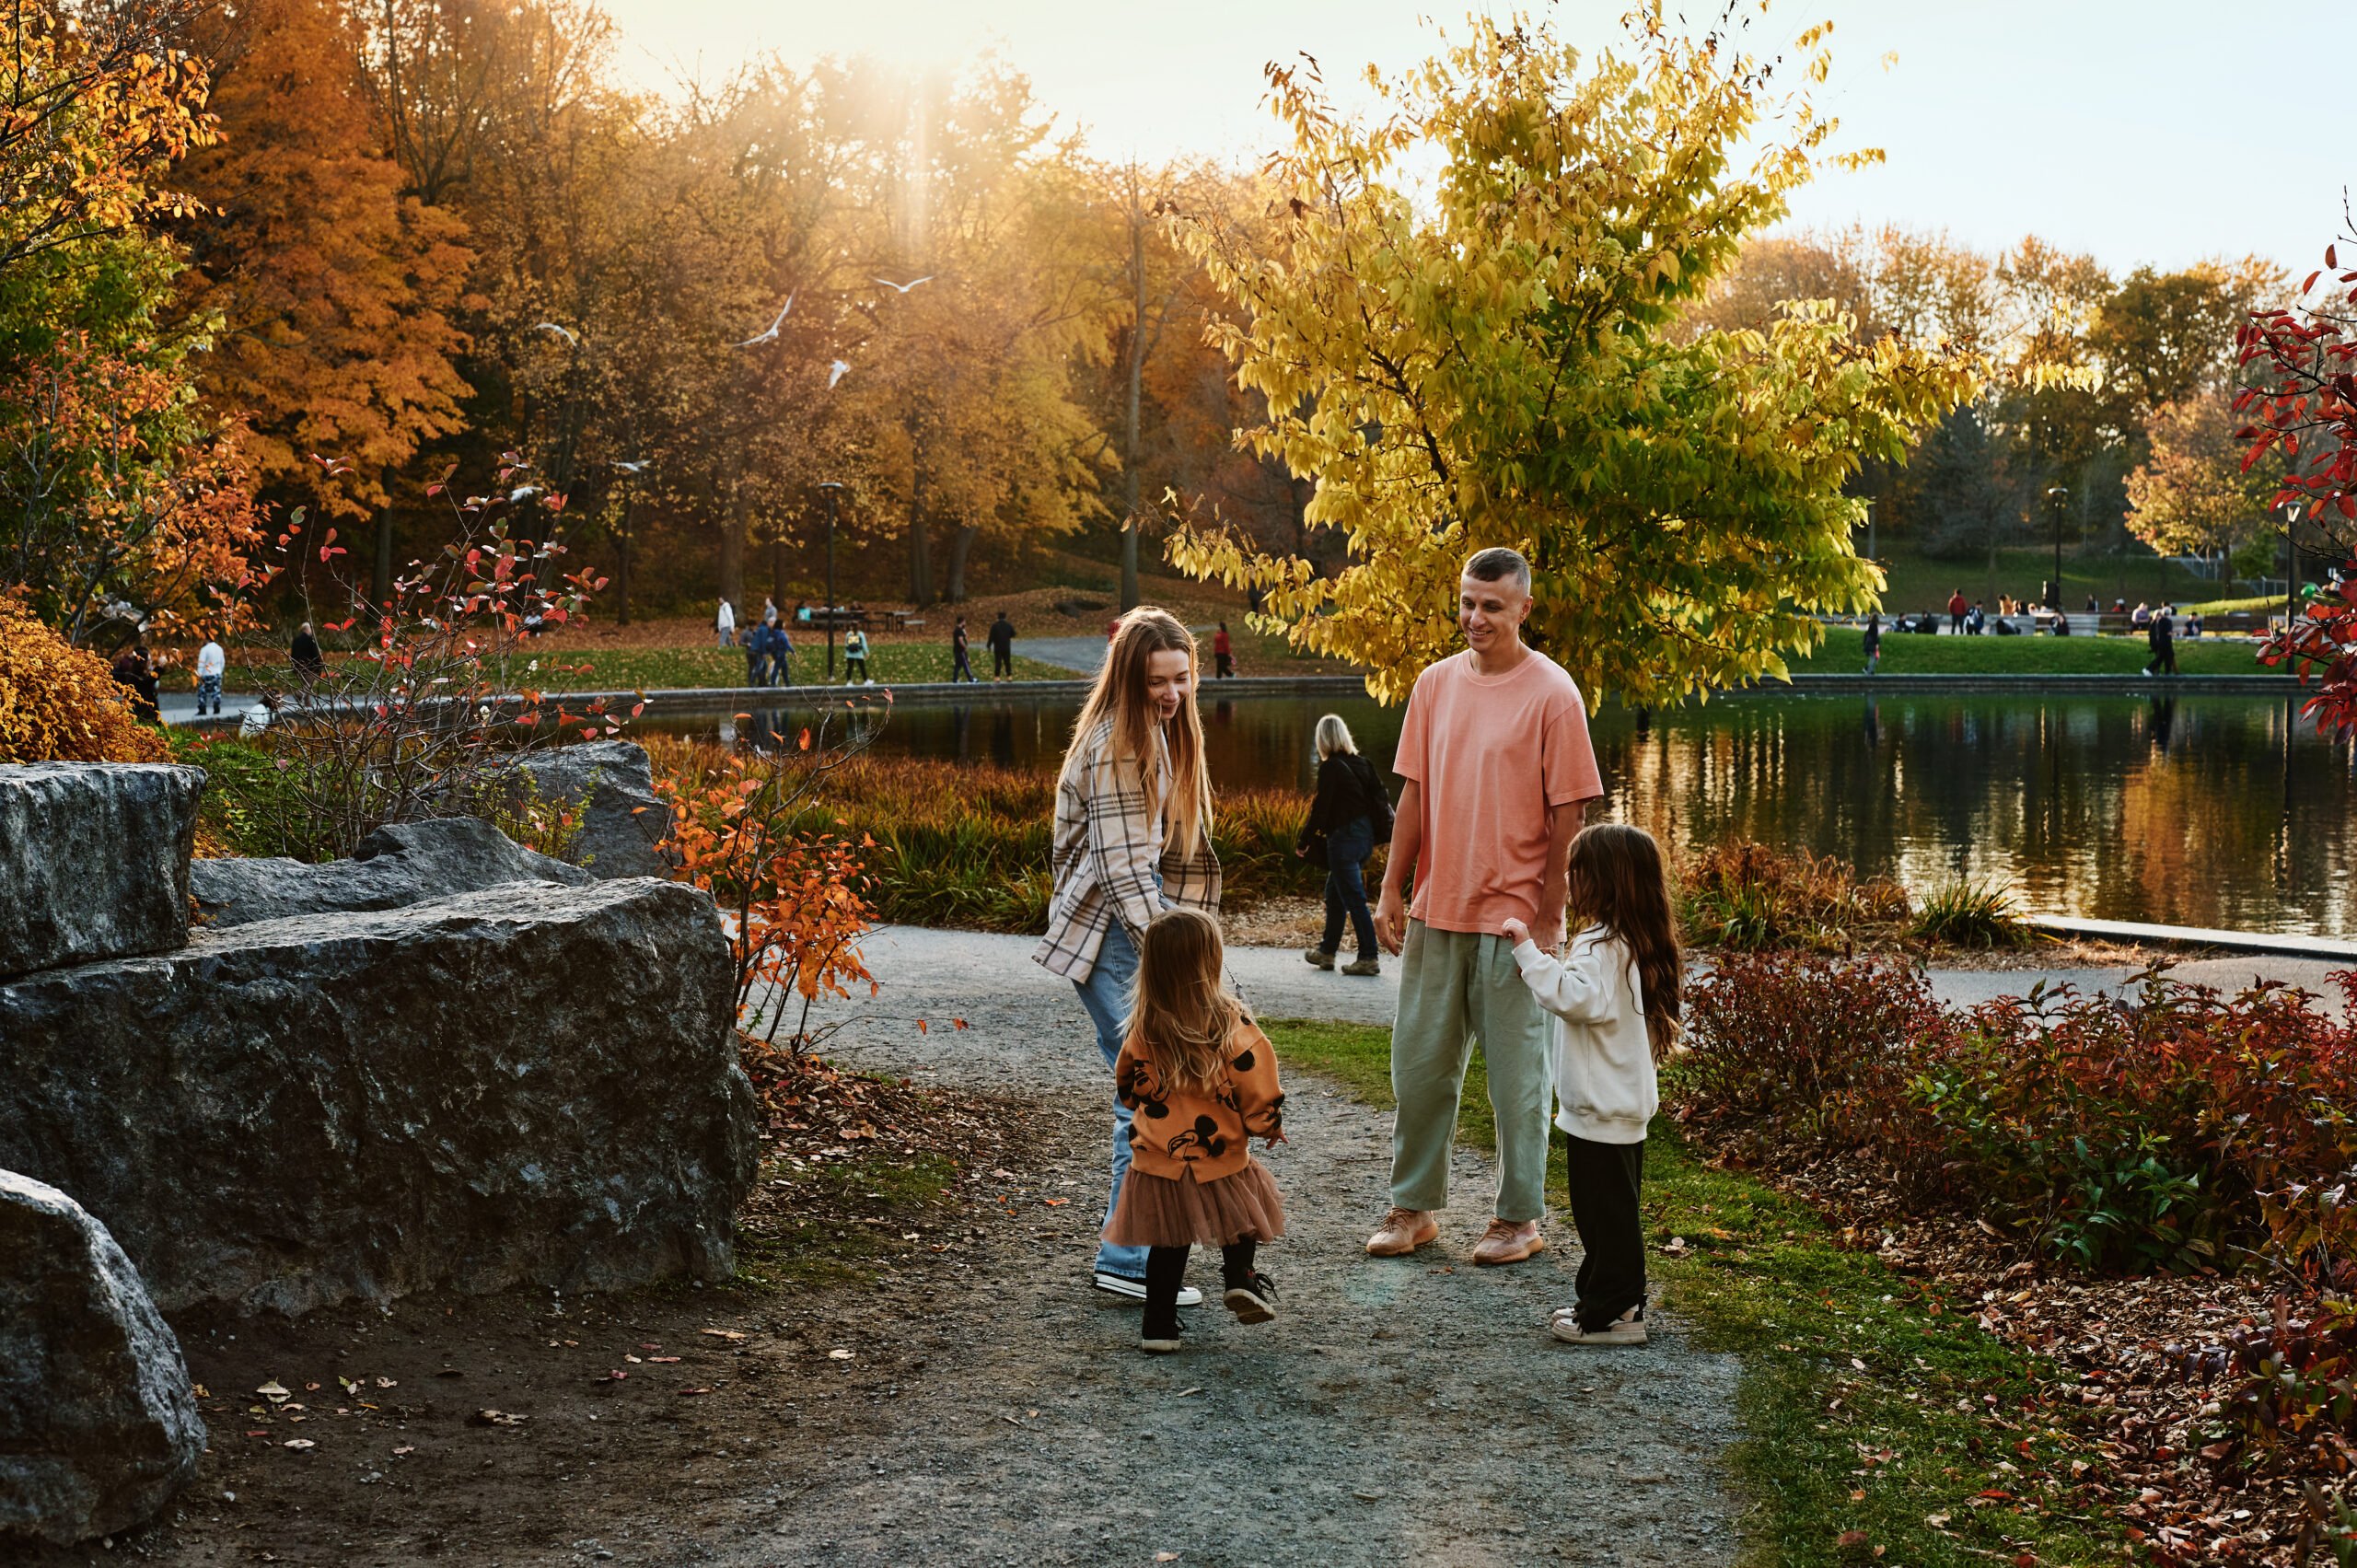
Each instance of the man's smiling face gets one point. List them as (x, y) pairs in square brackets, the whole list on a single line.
[(1491, 613)]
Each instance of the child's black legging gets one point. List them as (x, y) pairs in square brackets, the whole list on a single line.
[(1607, 1184), (1165, 1268)]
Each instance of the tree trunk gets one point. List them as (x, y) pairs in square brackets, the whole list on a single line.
[(961, 544), (732, 551), (381, 581), (1130, 427), (777, 571), (919, 543)]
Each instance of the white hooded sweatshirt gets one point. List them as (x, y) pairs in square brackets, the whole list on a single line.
[(1605, 1087)]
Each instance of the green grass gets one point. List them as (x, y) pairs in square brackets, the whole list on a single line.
[(1908, 654), (1853, 1375), (815, 1239), (1919, 583), (2257, 606)]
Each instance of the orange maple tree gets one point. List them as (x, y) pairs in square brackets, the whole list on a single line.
[(330, 287)]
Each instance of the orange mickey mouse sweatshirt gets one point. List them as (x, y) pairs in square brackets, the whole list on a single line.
[(1173, 1130)]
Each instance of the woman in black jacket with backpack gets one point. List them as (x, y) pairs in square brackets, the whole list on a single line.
[(1351, 816)]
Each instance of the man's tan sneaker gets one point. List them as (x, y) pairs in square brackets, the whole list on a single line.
[(1505, 1243), (1403, 1231)]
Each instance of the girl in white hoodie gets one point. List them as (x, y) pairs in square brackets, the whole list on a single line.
[(1614, 997)]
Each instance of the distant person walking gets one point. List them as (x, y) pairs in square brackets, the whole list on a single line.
[(212, 662), (856, 653), (1133, 838), (1955, 612), (780, 655), (304, 655), (1871, 641), (1499, 770), (757, 654), (1002, 640), (961, 666), (1350, 817), (2160, 637), (1223, 654), (724, 625)]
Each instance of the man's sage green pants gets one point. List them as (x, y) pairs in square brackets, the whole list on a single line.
[(1455, 987)]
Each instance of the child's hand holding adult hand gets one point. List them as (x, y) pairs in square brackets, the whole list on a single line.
[(1515, 931)]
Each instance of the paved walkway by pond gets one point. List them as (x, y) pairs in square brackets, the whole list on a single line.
[(1278, 984), (1400, 1410)]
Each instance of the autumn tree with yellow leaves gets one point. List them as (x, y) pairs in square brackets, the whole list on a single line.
[(1497, 364)]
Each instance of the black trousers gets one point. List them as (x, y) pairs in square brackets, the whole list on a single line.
[(1605, 1179), (1001, 661), (1166, 1270)]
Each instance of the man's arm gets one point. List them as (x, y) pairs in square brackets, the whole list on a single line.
[(1563, 824), (1407, 838)]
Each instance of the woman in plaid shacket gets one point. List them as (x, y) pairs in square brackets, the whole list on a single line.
[(1134, 831)]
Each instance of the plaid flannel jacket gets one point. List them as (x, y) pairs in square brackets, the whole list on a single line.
[(1104, 870)]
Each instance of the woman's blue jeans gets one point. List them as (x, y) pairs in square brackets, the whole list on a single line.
[(1105, 994), (1347, 848)]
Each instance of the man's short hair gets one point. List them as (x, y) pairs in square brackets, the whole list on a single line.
[(1489, 566)]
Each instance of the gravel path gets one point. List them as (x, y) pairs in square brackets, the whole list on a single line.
[(1397, 1411)]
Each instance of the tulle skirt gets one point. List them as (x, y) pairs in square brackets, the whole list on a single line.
[(1162, 1211)]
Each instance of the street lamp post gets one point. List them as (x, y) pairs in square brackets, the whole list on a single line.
[(831, 488), (2055, 495)]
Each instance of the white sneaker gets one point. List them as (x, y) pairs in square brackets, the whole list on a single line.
[(1629, 1329), (1121, 1284)]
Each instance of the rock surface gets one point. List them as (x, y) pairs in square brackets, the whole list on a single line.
[(93, 860), (98, 1423), (411, 863), (624, 821), (528, 1084)]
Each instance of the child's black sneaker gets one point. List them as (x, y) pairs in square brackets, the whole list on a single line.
[(1160, 1338), (1253, 1300)]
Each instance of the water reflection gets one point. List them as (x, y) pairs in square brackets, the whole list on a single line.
[(2192, 810)]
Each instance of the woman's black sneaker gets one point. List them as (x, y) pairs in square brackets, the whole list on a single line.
[(1253, 1300)]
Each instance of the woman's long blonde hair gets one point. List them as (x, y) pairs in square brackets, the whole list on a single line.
[(1120, 695), (1183, 1015)]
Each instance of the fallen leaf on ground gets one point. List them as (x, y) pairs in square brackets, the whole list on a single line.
[(297, 1442), (724, 1334), (841, 1354), (1184, 1393), (271, 1390), (664, 1358), (690, 1393)]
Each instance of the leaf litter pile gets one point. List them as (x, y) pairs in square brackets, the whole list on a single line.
[(2153, 1449)]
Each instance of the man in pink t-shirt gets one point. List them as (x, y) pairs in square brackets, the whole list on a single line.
[(1499, 772)]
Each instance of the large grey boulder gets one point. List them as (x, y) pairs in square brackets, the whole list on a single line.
[(93, 860), (624, 821), (530, 1084), (411, 863), (97, 1422)]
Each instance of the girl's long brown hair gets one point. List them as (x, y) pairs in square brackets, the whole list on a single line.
[(1120, 695), (1617, 881), (1183, 1013)]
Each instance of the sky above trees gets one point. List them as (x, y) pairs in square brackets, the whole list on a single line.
[(2137, 130)]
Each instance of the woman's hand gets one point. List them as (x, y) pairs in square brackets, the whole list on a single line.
[(1301, 852), (1514, 929)]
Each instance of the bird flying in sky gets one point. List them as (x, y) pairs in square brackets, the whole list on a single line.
[(836, 372), (630, 468), (559, 331), (770, 336), (904, 287)]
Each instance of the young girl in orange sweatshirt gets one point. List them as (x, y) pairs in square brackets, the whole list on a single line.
[(1201, 1081)]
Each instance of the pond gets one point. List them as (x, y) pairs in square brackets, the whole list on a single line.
[(2211, 811)]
